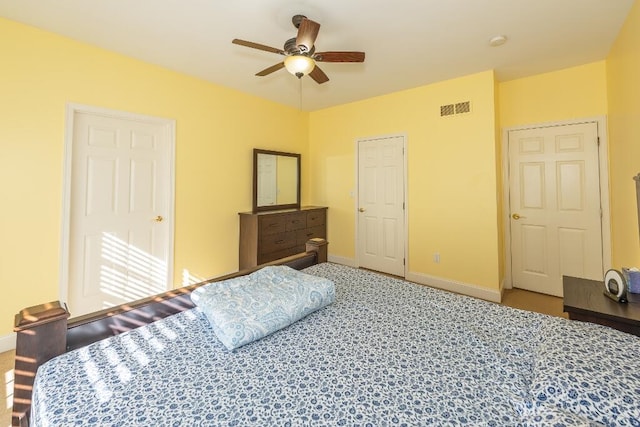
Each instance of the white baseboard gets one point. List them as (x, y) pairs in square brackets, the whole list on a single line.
[(492, 295), (7, 342), (349, 262)]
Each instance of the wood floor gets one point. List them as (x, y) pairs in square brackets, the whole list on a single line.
[(516, 298), (533, 301)]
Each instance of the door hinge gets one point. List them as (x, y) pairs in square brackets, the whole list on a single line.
[(598, 141), (404, 261), (402, 205)]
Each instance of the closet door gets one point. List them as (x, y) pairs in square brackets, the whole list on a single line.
[(554, 194), (381, 225)]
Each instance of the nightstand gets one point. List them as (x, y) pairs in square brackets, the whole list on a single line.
[(584, 300)]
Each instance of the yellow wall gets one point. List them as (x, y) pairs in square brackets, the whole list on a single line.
[(216, 130), (623, 84), (576, 92), (451, 174), (453, 163)]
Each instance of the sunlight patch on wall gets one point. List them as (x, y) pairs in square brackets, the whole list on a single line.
[(190, 279), (8, 380)]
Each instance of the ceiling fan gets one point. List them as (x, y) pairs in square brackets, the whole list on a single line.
[(300, 53)]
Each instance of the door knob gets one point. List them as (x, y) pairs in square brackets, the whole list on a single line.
[(516, 216), (362, 209), (158, 219)]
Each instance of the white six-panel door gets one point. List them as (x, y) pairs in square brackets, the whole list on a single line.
[(381, 204), (554, 206), (119, 232)]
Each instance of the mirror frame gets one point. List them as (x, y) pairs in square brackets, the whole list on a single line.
[(257, 208)]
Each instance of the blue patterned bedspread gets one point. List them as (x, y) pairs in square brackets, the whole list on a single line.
[(387, 352)]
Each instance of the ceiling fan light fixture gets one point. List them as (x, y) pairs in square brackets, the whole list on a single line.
[(299, 65)]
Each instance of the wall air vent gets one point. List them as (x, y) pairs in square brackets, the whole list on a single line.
[(463, 107), (447, 110), (453, 109)]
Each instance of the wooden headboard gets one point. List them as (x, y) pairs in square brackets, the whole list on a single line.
[(45, 331)]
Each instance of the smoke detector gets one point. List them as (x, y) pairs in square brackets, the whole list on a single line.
[(497, 41)]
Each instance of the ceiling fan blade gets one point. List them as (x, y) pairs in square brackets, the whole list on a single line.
[(339, 56), (318, 75), (270, 70), (307, 33), (257, 46)]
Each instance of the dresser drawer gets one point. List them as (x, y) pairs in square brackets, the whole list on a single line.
[(315, 218), (277, 242), (262, 258), (272, 224), (296, 221), (309, 233), (267, 236)]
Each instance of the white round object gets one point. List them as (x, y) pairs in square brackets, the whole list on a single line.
[(614, 283), (497, 41)]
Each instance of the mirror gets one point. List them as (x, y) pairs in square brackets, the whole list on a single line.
[(276, 180)]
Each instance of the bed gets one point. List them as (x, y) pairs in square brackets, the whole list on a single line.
[(385, 352)]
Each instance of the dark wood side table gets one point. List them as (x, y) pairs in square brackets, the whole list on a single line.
[(584, 300)]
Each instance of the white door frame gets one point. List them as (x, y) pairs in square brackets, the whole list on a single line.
[(71, 110), (603, 160), (406, 201)]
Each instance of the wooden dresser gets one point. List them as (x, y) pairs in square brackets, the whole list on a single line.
[(267, 236)]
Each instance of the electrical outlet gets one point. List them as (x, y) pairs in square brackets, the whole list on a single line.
[(436, 257)]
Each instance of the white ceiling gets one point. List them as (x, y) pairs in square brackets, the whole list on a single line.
[(408, 43)]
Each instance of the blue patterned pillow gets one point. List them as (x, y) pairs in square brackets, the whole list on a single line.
[(247, 308)]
